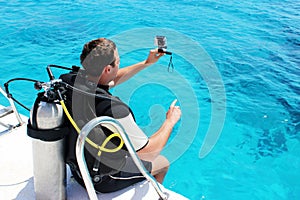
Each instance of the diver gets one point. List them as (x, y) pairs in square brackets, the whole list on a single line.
[(113, 171)]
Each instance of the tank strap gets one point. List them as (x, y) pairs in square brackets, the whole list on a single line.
[(47, 135)]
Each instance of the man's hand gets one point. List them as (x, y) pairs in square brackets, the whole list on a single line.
[(174, 113), (153, 57)]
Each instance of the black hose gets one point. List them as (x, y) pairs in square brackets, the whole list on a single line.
[(74, 89), (9, 95), (38, 86)]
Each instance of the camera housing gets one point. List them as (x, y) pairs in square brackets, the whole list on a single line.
[(161, 43)]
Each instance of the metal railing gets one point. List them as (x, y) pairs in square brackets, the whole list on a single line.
[(81, 159), (11, 109)]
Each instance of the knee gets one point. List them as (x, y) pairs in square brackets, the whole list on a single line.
[(163, 163), (166, 163)]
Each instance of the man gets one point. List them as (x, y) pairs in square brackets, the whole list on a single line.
[(100, 60)]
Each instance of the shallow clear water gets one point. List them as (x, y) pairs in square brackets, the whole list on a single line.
[(255, 46)]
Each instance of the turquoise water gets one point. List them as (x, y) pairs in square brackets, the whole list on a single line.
[(255, 47)]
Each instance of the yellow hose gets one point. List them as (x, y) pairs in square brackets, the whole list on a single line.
[(102, 147)]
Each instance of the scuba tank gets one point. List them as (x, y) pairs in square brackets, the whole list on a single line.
[(47, 129), (48, 126)]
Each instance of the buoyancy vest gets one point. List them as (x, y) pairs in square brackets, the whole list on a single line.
[(84, 108)]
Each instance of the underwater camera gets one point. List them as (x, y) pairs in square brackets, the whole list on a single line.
[(161, 43)]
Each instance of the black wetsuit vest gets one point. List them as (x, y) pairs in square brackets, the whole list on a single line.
[(84, 108)]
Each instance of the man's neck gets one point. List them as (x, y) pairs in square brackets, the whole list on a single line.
[(94, 79)]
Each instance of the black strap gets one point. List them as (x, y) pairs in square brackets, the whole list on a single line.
[(170, 65), (47, 135)]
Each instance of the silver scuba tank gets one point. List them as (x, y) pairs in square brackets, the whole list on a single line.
[(46, 128), (49, 115)]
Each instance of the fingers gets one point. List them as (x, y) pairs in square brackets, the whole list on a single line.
[(174, 112), (157, 54), (153, 56), (173, 103)]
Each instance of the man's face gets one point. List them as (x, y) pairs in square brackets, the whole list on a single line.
[(117, 59), (115, 69)]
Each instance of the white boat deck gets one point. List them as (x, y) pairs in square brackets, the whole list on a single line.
[(16, 174)]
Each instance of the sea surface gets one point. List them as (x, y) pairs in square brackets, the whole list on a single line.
[(236, 77)]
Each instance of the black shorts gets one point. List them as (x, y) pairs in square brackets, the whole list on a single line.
[(128, 175)]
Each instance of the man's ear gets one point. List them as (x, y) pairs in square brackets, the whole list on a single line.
[(107, 69)]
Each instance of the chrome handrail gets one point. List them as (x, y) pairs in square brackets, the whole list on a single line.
[(82, 164), (11, 102)]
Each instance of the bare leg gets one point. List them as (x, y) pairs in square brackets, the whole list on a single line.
[(160, 168)]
